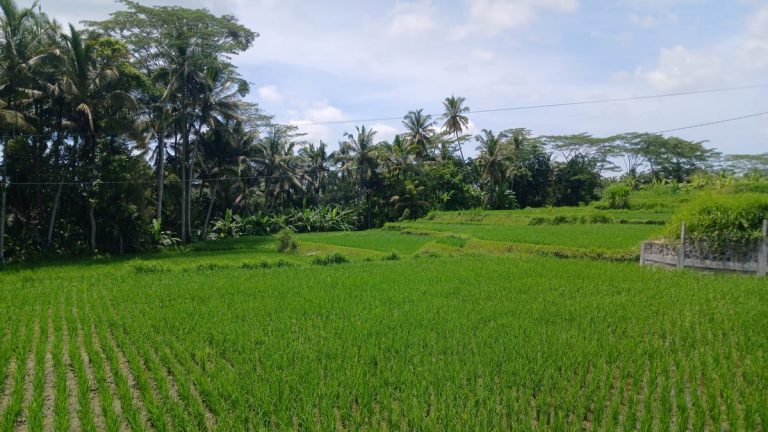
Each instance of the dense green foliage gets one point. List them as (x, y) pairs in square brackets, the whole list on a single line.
[(143, 117), (722, 217)]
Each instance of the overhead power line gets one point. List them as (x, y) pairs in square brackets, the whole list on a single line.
[(554, 105), (222, 179), (716, 122), (481, 111)]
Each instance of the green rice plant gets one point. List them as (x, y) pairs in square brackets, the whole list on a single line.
[(86, 414), (106, 400), (61, 413), (496, 337), (35, 410)]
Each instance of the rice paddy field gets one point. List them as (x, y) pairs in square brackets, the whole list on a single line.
[(489, 323)]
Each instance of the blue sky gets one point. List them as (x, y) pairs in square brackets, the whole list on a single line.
[(339, 60)]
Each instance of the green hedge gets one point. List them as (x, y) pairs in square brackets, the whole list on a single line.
[(721, 217)]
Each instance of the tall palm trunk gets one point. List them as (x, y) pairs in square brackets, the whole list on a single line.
[(160, 173), (4, 189), (92, 218), (54, 212), (461, 151), (91, 201), (210, 209), (57, 197), (183, 201)]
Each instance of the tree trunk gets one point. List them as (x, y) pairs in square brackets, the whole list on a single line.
[(160, 173), (461, 151), (190, 180), (183, 202), (210, 209), (92, 218), (54, 213), (2, 219)]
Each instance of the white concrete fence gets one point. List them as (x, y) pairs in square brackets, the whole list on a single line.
[(743, 256)]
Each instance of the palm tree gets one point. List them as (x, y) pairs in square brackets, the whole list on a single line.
[(363, 158), (22, 43), (420, 129), (455, 119), (518, 139), (396, 157), (492, 159), (410, 202), (90, 86), (317, 162), (277, 163)]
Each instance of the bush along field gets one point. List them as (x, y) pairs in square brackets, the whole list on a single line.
[(483, 320)]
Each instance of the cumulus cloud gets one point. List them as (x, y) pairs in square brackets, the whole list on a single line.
[(409, 19), (385, 132), (269, 93), (680, 68), (738, 60), (313, 119), (490, 17)]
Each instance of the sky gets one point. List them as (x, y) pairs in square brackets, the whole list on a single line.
[(344, 60)]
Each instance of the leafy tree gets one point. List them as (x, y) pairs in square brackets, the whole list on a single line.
[(575, 182)]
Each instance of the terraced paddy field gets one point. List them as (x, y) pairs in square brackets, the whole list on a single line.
[(451, 332)]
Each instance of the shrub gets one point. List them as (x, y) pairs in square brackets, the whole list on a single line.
[(600, 219), (336, 258), (720, 218), (392, 257), (286, 242), (617, 197), (230, 226), (150, 268)]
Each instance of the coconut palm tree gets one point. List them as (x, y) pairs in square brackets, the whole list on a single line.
[(420, 130), (492, 159), (363, 160), (89, 84), (518, 140), (317, 165), (410, 204), (277, 163), (455, 118)]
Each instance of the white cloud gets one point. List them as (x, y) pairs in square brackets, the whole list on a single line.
[(313, 118), (409, 19), (740, 59), (651, 21), (385, 132), (680, 68), (754, 51), (491, 17), (269, 93)]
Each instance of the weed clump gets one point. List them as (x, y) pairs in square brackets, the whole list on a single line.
[(336, 258), (151, 268), (266, 265), (286, 242), (392, 257)]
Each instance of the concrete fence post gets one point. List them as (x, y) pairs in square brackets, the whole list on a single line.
[(642, 253), (762, 256), (681, 251)]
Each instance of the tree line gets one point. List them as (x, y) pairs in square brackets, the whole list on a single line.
[(139, 124)]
